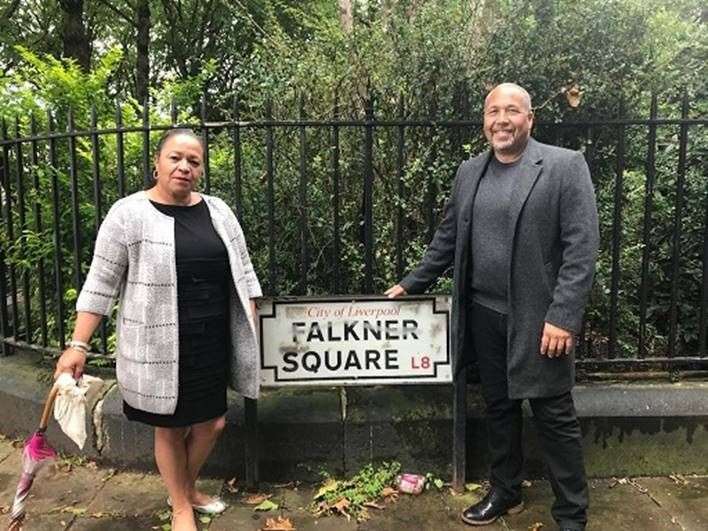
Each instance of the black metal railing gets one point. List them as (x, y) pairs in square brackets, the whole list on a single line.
[(351, 197)]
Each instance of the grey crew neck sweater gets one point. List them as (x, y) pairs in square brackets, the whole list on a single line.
[(491, 250)]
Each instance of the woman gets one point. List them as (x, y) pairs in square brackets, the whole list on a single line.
[(178, 262)]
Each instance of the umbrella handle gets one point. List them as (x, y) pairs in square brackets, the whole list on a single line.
[(48, 408)]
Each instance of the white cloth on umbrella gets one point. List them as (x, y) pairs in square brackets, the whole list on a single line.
[(70, 405)]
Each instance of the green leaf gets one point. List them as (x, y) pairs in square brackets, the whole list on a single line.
[(267, 505), (471, 487), (438, 483), (328, 486)]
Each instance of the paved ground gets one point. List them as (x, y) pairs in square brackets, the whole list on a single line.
[(81, 496)]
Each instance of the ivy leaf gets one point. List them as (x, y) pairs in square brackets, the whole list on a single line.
[(267, 505), (329, 486)]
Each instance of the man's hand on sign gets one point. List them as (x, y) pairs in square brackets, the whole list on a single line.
[(555, 341), (395, 291)]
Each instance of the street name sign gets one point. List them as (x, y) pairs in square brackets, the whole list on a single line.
[(354, 341)]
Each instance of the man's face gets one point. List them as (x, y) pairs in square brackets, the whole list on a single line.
[(507, 121)]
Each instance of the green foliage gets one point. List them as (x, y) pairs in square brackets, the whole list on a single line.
[(364, 487), (408, 59)]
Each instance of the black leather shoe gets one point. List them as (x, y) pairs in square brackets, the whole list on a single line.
[(492, 506)]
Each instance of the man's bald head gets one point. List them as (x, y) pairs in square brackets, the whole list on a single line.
[(508, 119), (511, 88)]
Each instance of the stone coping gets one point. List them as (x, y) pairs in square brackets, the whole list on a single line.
[(629, 428)]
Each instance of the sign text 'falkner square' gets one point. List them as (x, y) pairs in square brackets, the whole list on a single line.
[(363, 341)]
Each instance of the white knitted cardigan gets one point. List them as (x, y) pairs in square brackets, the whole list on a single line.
[(134, 259)]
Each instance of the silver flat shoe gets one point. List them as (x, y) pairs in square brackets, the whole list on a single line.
[(215, 506)]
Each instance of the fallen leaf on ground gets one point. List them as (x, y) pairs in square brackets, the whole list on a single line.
[(322, 508), (256, 499), (70, 509), (644, 490), (374, 505), (77, 511), (389, 492), (108, 514), (266, 505), (637, 486), (278, 524), (111, 473), (679, 479), (536, 526), (205, 518), (614, 482), (328, 486), (341, 507), (471, 487), (363, 515), (231, 486), (164, 515)]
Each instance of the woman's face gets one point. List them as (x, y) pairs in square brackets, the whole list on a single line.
[(179, 165)]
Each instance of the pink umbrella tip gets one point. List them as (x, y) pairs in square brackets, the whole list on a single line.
[(37, 448)]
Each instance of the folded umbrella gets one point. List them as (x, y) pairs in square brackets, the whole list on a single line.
[(36, 453)]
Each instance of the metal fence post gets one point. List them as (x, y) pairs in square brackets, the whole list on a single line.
[(368, 199), (616, 237), (302, 206), (676, 241), (252, 454), (459, 431), (4, 317)]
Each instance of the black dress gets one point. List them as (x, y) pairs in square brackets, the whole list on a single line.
[(203, 278)]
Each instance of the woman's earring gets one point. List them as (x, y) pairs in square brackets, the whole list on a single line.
[(154, 174)]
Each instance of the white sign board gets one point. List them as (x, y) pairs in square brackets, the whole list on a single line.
[(363, 341)]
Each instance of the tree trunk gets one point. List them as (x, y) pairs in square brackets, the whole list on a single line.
[(73, 31), (142, 62), (346, 15)]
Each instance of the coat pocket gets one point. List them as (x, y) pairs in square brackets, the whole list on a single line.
[(549, 275), (143, 343), (130, 341)]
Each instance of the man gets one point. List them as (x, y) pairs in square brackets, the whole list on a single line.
[(521, 229)]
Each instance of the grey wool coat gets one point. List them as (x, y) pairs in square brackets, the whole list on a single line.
[(134, 261), (554, 236)]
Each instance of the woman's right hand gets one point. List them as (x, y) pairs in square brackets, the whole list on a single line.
[(72, 361)]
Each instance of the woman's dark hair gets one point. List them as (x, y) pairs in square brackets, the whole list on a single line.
[(165, 137), (174, 132)]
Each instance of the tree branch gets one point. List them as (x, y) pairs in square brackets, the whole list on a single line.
[(121, 14), (10, 10)]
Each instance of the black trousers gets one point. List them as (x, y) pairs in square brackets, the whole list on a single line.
[(555, 419)]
